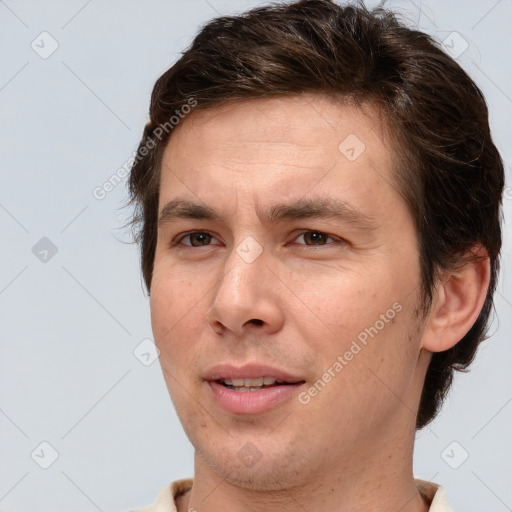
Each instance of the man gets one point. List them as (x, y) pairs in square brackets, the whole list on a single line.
[(318, 206)]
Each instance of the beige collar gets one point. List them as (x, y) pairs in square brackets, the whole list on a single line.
[(166, 499)]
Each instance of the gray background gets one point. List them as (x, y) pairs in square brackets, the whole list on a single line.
[(71, 321)]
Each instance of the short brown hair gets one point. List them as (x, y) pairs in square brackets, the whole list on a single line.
[(448, 170)]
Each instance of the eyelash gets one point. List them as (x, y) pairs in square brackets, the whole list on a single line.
[(178, 240)]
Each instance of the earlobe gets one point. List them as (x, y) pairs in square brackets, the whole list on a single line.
[(458, 299)]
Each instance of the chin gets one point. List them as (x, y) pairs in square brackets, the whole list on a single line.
[(268, 473)]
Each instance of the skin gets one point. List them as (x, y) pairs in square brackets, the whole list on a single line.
[(350, 448)]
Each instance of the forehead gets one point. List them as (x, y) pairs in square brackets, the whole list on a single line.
[(287, 145), (308, 120)]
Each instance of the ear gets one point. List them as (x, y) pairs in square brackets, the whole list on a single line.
[(458, 299)]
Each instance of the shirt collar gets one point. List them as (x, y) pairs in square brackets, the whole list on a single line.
[(166, 499)]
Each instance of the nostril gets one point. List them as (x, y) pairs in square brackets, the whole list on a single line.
[(256, 321), (216, 327)]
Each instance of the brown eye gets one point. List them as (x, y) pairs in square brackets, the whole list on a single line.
[(196, 239), (315, 238), (200, 239)]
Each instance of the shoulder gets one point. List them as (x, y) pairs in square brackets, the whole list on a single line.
[(166, 499), (434, 494)]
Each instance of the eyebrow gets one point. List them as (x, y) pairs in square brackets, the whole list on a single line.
[(320, 208)]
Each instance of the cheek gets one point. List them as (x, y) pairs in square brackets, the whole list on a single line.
[(367, 320), (176, 313), (342, 303), (177, 321), (371, 379)]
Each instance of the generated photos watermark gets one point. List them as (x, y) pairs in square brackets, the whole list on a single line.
[(355, 348), (100, 192)]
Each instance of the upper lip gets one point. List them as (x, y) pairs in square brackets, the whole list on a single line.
[(249, 371)]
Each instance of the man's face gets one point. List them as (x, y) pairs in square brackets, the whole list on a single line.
[(257, 274)]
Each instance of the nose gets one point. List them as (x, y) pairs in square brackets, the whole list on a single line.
[(246, 299)]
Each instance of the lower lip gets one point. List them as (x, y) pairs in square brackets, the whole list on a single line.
[(251, 402)]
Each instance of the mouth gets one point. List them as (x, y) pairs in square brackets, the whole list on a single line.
[(252, 388), (257, 384)]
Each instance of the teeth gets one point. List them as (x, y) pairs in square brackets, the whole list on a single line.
[(251, 383), (245, 390)]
